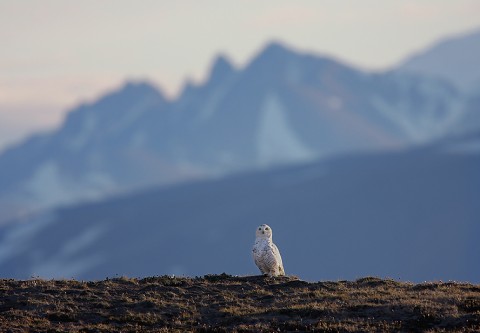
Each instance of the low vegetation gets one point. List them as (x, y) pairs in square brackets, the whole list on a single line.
[(223, 303)]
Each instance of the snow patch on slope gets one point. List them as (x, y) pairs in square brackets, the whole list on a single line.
[(89, 125), (420, 126), (277, 141), (48, 187), (68, 261), (133, 114), (17, 238), (210, 106)]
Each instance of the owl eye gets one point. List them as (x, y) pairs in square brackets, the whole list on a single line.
[(266, 228), (259, 228)]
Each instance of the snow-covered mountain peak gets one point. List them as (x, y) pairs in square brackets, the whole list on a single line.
[(135, 90)]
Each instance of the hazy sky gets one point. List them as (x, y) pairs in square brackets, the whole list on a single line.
[(56, 53)]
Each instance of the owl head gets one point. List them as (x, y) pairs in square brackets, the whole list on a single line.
[(264, 231)]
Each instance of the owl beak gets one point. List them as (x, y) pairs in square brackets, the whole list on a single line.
[(263, 232)]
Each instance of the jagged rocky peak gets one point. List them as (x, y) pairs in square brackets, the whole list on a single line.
[(128, 92), (130, 97), (221, 68), (275, 48), (139, 88), (276, 56), (273, 53), (272, 61)]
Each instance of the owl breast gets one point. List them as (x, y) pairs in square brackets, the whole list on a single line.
[(267, 258)]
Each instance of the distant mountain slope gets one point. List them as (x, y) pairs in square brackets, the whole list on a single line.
[(309, 103), (409, 215), (101, 148), (456, 59), (283, 107), (469, 119)]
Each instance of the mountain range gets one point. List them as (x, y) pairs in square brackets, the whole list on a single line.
[(283, 107), (410, 215), (454, 59), (358, 173)]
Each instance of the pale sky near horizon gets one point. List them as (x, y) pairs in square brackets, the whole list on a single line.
[(56, 53)]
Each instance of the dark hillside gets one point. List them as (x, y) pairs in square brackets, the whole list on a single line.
[(221, 303), (409, 215)]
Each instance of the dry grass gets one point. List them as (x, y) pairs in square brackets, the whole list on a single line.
[(222, 303)]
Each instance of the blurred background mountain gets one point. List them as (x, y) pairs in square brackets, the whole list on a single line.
[(454, 59), (358, 172)]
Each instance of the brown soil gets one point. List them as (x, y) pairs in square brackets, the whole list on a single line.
[(222, 303)]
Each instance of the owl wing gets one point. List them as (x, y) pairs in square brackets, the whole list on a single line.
[(278, 259)]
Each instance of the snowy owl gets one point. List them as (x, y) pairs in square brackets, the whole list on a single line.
[(266, 254)]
